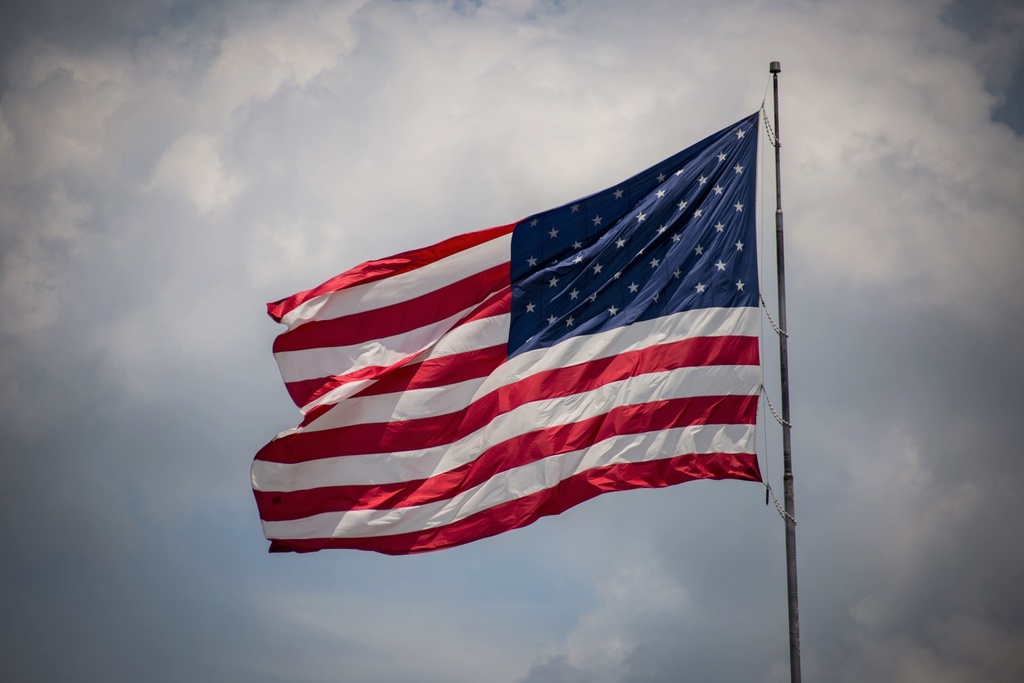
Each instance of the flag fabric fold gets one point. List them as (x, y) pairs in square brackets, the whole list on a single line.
[(468, 388)]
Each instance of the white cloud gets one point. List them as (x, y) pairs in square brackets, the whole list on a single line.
[(604, 638), (262, 52), (30, 285), (192, 166)]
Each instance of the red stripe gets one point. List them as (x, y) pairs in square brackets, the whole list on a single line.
[(523, 511), (388, 437), (398, 318), (512, 453), (372, 271), (435, 372), (439, 372), (305, 391)]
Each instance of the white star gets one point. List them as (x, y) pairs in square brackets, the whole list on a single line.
[(597, 220), (620, 243), (633, 287), (578, 259), (739, 207), (593, 297), (677, 273), (530, 307), (617, 275), (680, 171), (553, 281), (641, 217), (720, 265), (662, 229), (568, 321), (597, 268), (739, 285), (718, 189), (739, 246), (532, 261), (698, 213), (655, 297), (553, 232), (574, 294), (719, 227), (575, 208), (577, 245), (654, 263), (740, 134), (659, 194), (552, 320), (676, 237), (661, 177), (613, 310), (702, 180), (700, 287), (681, 205), (533, 223), (738, 168), (721, 156), (699, 250), (618, 193)]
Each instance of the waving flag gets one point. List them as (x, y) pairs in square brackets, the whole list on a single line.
[(458, 391)]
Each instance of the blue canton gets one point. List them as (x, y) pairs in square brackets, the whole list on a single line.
[(676, 237)]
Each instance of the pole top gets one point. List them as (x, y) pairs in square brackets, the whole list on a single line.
[(774, 68)]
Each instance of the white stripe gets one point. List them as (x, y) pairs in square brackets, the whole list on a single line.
[(477, 334), (335, 395), (296, 366), (400, 405), (403, 286), (709, 322), (703, 322), (518, 483), (380, 468)]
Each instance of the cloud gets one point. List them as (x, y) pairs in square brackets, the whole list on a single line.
[(193, 167), (167, 167)]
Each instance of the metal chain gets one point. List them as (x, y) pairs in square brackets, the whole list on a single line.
[(778, 505), (772, 139), (774, 142), (778, 330), (778, 418)]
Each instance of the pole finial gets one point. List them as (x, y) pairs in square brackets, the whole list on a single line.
[(774, 68)]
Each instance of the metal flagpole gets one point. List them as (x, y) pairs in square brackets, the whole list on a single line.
[(787, 455)]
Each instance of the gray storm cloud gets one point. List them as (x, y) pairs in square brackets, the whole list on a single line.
[(166, 168)]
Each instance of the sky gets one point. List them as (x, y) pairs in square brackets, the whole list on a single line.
[(167, 167)]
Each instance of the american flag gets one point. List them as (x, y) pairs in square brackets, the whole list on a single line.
[(458, 391)]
